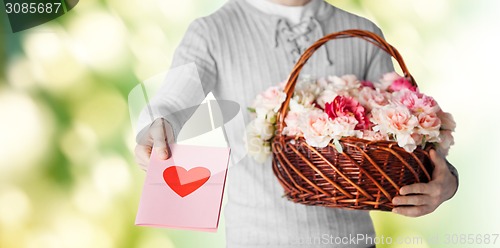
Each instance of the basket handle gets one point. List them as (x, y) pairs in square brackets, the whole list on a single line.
[(352, 33)]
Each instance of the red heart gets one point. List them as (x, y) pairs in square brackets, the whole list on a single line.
[(184, 182)]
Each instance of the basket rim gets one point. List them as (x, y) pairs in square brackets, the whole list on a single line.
[(368, 36)]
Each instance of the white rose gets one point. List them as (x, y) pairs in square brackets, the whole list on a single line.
[(343, 126), (387, 79), (325, 97), (271, 99), (316, 126), (406, 141), (308, 84), (372, 98), (295, 106), (261, 128), (345, 83), (372, 135), (292, 123), (304, 98), (259, 150)]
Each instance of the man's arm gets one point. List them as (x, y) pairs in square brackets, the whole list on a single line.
[(424, 198), (192, 76)]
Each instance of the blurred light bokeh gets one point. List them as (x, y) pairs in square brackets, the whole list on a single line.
[(67, 173)]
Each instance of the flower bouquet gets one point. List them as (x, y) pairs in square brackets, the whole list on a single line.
[(325, 110), (343, 142)]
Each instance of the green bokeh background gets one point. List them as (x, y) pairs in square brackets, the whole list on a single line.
[(67, 173)]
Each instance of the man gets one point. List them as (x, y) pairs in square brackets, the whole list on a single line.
[(240, 50)]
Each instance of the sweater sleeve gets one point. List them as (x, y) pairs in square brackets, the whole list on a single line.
[(191, 77), (380, 61), (454, 172)]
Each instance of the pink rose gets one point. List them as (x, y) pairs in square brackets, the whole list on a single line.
[(407, 142), (447, 121), (292, 124), (371, 98), (323, 83), (260, 128), (428, 125), (258, 149), (344, 126), (394, 119), (387, 80), (399, 121), (347, 106), (304, 98), (402, 83), (416, 102), (367, 84), (325, 97), (394, 82), (345, 83), (309, 85), (373, 135), (316, 126), (270, 99), (427, 105)]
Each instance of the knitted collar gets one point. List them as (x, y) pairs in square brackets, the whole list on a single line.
[(294, 14), (321, 10), (312, 18)]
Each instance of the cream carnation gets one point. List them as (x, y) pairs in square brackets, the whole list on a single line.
[(372, 98), (258, 149), (428, 125), (260, 128), (292, 124), (271, 99), (345, 83), (344, 126), (316, 126)]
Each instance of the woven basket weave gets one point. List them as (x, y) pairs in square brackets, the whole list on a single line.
[(366, 175)]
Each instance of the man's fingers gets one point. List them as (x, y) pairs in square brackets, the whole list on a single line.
[(415, 200), (142, 155), (162, 152), (422, 198), (413, 211), (417, 188), (158, 134), (153, 136)]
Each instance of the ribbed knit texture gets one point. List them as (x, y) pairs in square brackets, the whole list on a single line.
[(239, 53)]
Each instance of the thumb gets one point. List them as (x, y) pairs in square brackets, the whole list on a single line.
[(162, 152), (159, 137), (439, 162)]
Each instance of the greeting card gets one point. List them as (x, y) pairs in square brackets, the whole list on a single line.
[(185, 191)]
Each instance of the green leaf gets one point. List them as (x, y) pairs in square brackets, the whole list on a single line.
[(338, 146), (272, 120), (251, 110)]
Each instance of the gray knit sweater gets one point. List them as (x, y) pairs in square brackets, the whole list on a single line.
[(239, 51)]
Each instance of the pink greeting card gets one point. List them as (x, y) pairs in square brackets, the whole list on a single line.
[(185, 191)]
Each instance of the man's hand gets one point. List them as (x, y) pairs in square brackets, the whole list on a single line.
[(154, 137), (423, 198)]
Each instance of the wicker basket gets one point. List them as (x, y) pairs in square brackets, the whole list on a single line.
[(365, 175)]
